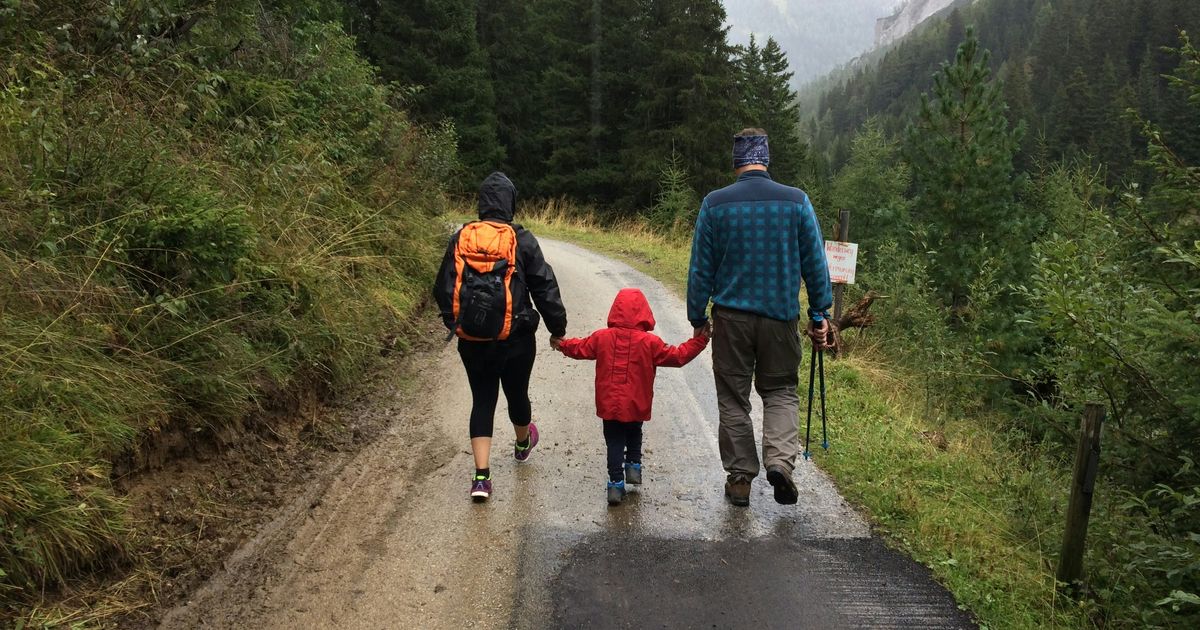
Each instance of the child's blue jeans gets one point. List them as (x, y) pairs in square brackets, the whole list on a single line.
[(624, 441)]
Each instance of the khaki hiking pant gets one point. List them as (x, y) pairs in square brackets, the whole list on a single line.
[(749, 348)]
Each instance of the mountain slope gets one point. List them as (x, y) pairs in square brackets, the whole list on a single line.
[(1070, 67)]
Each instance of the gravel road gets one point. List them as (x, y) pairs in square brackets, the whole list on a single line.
[(390, 540)]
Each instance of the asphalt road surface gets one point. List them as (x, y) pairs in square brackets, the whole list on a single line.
[(390, 540)]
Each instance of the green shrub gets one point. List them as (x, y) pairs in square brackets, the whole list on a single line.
[(677, 204)]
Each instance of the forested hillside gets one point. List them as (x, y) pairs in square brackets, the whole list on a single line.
[(204, 207), (1023, 180), (1071, 68)]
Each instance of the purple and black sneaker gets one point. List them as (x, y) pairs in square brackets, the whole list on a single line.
[(522, 454), (481, 488)]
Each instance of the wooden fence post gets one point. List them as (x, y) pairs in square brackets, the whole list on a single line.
[(1083, 484), (843, 235)]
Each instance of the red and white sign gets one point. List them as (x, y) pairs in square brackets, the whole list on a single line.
[(843, 261)]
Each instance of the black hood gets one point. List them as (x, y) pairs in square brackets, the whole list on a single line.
[(497, 198)]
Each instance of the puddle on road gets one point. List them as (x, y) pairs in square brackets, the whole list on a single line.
[(604, 582)]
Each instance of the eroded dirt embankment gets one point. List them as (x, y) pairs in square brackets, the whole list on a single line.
[(196, 500)]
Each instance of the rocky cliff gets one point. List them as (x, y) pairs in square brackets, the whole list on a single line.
[(907, 17)]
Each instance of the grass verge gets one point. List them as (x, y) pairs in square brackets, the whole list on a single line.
[(957, 494)]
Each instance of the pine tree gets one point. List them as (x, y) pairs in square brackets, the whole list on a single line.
[(961, 149), (873, 186), (686, 99), (748, 60), (1074, 114), (1179, 115), (1021, 112), (563, 97), (956, 31), (1149, 86), (1112, 138), (621, 45), (514, 50), (769, 102), (432, 45)]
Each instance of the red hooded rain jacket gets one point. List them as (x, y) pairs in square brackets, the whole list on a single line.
[(627, 355)]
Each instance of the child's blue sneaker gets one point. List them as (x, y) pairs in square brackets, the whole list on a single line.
[(616, 492), (633, 473)]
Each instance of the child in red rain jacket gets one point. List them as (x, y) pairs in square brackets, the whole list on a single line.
[(627, 355)]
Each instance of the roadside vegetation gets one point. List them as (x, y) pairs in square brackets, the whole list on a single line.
[(202, 206)]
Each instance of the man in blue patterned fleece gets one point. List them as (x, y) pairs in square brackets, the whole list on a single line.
[(754, 242)]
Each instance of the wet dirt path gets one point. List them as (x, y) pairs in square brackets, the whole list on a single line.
[(391, 540)]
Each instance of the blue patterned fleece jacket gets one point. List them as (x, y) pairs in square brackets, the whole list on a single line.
[(755, 240)]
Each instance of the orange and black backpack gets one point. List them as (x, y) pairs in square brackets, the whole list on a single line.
[(485, 259)]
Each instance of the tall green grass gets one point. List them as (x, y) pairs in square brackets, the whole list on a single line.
[(186, 225)]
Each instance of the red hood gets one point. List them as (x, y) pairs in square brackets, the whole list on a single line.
[(631, 310)]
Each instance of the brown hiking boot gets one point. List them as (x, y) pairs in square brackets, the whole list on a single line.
[(738, 492), (785, 488)]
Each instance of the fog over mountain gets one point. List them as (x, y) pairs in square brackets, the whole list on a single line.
[(818, 35)]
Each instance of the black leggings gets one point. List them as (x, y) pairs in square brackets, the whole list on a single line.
[(624, 441), (490, 365)]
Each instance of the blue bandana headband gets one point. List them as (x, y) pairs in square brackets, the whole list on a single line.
[(750, 150)]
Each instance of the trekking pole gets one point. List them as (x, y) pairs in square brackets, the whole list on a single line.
[(812, 368), (824, 431)]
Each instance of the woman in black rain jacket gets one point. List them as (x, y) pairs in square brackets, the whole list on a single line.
[(507, 363)]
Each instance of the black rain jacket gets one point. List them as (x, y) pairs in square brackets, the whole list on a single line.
[(534, 277)]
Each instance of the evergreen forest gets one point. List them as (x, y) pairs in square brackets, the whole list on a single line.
[(581, 98)]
